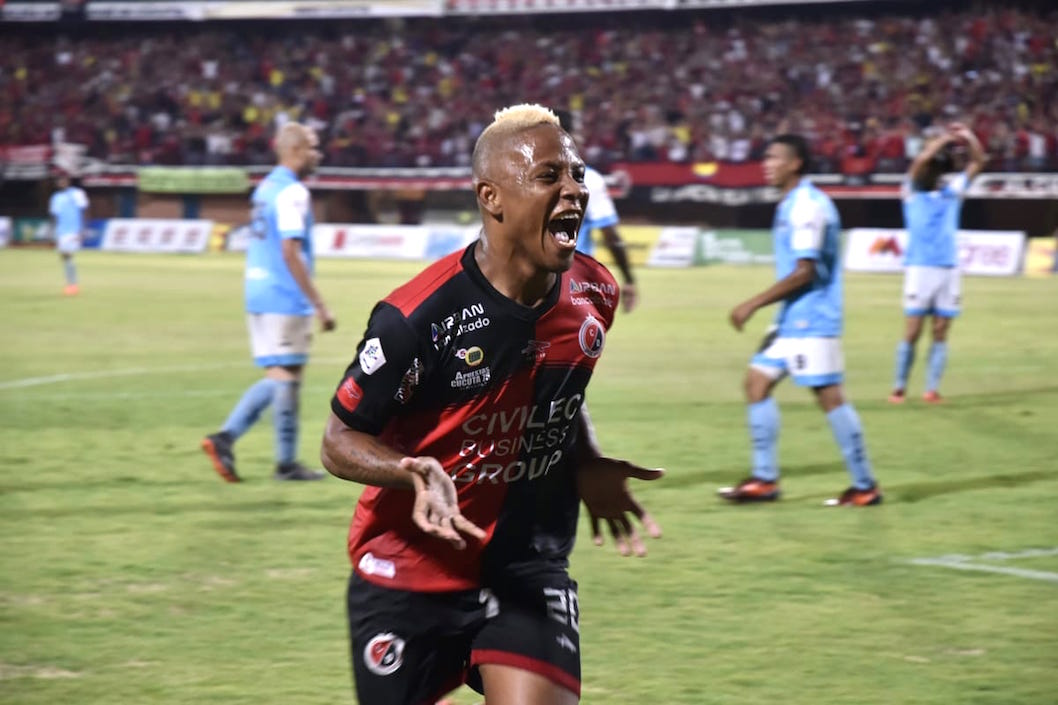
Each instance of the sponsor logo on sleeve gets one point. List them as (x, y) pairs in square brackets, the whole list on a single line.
[(350, 394), (372, 357), (384, 654), (592, 337)]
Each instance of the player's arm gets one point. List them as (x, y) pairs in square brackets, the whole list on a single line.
[(360, 457), (978, 157), (918, 165), (292, 257), (801, 277), (291, 205), (617, 248), (363, 404), (602, 484)]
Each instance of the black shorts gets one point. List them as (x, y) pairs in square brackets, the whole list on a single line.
[(410, 648)]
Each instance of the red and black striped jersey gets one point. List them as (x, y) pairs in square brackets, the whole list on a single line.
[(451, 368)]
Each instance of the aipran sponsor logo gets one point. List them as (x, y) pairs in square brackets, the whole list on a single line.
[(592, 293), (465, 320)]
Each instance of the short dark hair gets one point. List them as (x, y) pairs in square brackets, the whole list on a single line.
[(799, 145), (565, 119)]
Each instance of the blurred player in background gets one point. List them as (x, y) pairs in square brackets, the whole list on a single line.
[(931, 280), (601, 214), (805, 340), (280, 302), (67, 208), (463, 413)]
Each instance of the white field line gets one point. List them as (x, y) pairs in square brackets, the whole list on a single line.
[(961, 562), (132, 372)]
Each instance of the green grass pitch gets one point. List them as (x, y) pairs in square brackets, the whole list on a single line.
[(130, 575)]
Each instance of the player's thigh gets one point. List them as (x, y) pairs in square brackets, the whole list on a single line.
[(768, 366), (537, 631), (920, 289), (279, 340), (506, 685), (948, 302), (409, 648), (815, 362), (68, 244)]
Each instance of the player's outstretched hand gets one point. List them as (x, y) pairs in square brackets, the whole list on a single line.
[(603, 486), (436, 509)]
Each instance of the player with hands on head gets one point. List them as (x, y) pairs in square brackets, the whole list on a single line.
[(932, 283), (463, 414), (805, 340)]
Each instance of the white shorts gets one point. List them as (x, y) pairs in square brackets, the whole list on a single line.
[(278, 339), (68, 244), (932, 290), (812, 362)]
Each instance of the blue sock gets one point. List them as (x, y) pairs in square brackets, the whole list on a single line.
[(70, 270), (254, 400), (938, 358), (285, 416), (905, 357), (848, 432), (764, 432)]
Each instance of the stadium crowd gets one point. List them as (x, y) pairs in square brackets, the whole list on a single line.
[(676, 87)]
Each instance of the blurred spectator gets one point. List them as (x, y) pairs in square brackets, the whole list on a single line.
[(668, 86)]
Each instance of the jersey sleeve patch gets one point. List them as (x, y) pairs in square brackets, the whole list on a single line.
[(292, 205), (808, 227), (388, 367)]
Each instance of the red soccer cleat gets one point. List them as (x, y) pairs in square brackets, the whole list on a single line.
[(853, 497), (751, 489), (932, 397), (897, 396)]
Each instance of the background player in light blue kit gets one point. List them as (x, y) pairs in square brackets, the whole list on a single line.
[(280, 302), (805, 340), (931, 278), (67, 207)]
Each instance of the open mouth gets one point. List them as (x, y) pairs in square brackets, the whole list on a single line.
[(564, 229)]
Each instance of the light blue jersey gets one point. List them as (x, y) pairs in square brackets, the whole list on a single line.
[(932, 219), (68, 206), (281, 210), (600, 212), (807, 226)]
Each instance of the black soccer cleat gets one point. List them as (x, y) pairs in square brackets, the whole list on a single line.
[(218, 446), (296, 472)]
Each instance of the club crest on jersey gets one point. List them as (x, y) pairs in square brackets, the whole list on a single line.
[(592, 336), (384, 654), (372, 357)]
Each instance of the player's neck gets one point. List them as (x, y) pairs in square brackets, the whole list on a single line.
[(786, 187), (512, 276)]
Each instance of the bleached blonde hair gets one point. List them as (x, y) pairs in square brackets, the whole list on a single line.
[(506, 122)]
